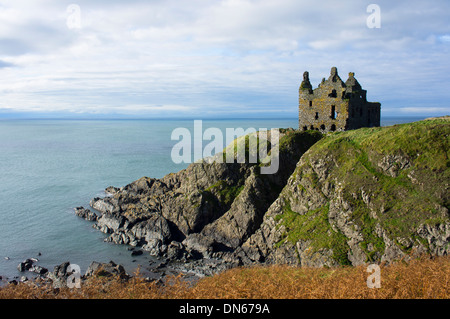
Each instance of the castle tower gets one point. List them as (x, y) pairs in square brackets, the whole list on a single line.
[(335, 105)]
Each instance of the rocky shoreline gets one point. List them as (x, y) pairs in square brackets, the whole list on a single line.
[(332, 202), (158, 271), (195, 221), (349, 198)]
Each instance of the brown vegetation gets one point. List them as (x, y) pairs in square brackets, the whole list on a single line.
[(427, 278)]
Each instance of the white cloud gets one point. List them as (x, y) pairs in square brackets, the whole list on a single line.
[(445, 38), (215, 56), (425, 110)]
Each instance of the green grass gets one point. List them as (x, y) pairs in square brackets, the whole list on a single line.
[(314, 225), (225, 193), (400, 204), (245, 146), (357, 152)]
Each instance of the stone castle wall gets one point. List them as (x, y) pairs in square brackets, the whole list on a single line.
[(335, 105)]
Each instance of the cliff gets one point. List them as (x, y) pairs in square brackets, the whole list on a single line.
[(367, 195)]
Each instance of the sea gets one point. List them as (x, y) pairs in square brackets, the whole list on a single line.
[(50, 166)]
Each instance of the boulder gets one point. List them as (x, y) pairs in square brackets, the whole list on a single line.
[(199, 244), (106, 270), (60, 271), (85, 214), (38, 270), (137, 252), (104, 205), (25, 265), (59, 275)]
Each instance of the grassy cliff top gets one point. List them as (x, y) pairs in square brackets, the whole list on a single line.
[(384, 182)]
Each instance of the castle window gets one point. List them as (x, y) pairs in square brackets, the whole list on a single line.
[(333, 112), (333, 128), (305, 128), (312, 127), (322, 127), (333, 94), (317, 116), (310, 103)]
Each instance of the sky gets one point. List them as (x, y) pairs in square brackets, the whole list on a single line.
[(218, 59)]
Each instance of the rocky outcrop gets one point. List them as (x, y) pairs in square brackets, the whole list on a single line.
[(67, 275), (28, 265), (368, 195), (351, 200), (205, 210), (85, 214), (109, 269)]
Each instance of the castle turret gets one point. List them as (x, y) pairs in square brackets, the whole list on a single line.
[(334, 77), (306, 85)]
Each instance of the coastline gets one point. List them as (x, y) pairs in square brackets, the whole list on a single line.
[(138, 262)]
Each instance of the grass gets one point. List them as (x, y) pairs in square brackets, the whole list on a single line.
[(420, 278), (314, 224), (299, 138), (225, 193), (246, 148), (400, 203)]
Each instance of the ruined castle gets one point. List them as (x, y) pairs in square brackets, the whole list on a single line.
[(335, 105)]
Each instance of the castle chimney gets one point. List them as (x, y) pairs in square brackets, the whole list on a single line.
[(306, 84), (334, 71)]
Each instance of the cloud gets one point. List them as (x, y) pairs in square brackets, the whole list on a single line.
[(445, 38), (4, 64), (422, 110), (216, 57)]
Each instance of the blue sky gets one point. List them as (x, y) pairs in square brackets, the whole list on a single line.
[(232, 58)]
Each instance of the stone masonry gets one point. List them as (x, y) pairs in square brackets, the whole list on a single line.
[(335, 105)]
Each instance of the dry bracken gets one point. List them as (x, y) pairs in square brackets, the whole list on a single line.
[(421, 278)]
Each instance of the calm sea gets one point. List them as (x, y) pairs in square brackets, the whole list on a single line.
[(48, 167)]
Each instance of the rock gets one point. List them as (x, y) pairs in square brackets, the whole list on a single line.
[(111, 190), (437, 236), (335, 200), (353, 205), (176, 251), (25, 265), (38, 270), (152, 234), (59, 275), (106, 269), (109, 224), (104, 205), (60, 271), (85, 214), (393, 164), (136, 252), (198, 244)]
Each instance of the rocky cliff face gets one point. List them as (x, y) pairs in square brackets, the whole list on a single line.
[(362, 196), (366, 195)]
